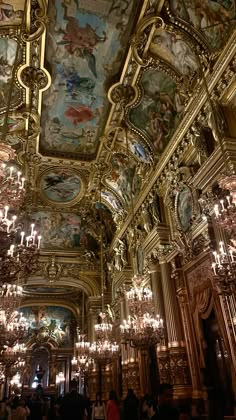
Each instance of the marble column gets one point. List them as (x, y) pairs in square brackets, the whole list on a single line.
[(179, 369)]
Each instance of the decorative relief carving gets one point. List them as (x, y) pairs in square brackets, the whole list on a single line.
[(34, 78)]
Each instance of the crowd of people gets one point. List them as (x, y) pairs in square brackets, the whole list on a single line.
[(74, 406)]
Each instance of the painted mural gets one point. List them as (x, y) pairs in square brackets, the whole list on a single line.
[(122, 176), (109, 197), (214, 19), (11, 12), (184, 207), (135, 145), (15, 128), (172, 48), (61, 185), (160, 109), (104, 214), (50, 323), (84, 49), (8, 49), (63, 230)]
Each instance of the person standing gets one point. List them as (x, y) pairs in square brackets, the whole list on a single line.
[(112, 409), (152, 410), (131, 405), (72, 404), (99, 410), (166, 409)]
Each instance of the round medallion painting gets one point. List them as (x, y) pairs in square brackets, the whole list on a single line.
[(61, 185), (184, 207)]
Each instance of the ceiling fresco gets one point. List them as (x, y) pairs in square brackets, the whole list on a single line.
[(8, 51), (111, 200), (11, 12), (171, 48), (84, 50), (160, 109), (136, 146), (214, 19), (122, 176), (61, 185), (63, 231)]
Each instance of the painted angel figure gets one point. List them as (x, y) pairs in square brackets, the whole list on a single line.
[(81, 41)]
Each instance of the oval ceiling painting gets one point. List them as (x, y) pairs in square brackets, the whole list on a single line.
[(61, 185)]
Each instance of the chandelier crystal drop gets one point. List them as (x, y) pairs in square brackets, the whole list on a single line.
[(224, 268), (142, 329)]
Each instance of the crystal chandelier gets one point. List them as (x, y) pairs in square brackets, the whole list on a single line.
[(103, 330), (104, 350), (12, 187), (141, 329), (12, 358), (225, 211), (13, 326), (82, 361), (82, 346), (224, 268), (21, 259)]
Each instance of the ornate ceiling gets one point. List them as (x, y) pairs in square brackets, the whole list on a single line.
[(74, 74)]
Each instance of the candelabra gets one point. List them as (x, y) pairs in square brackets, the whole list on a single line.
[(141, 329), (224, 268)]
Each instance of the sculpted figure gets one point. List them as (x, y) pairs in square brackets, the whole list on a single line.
[(118, 261), (147, 221), (216, 122), (122, 249), (154, 209)]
